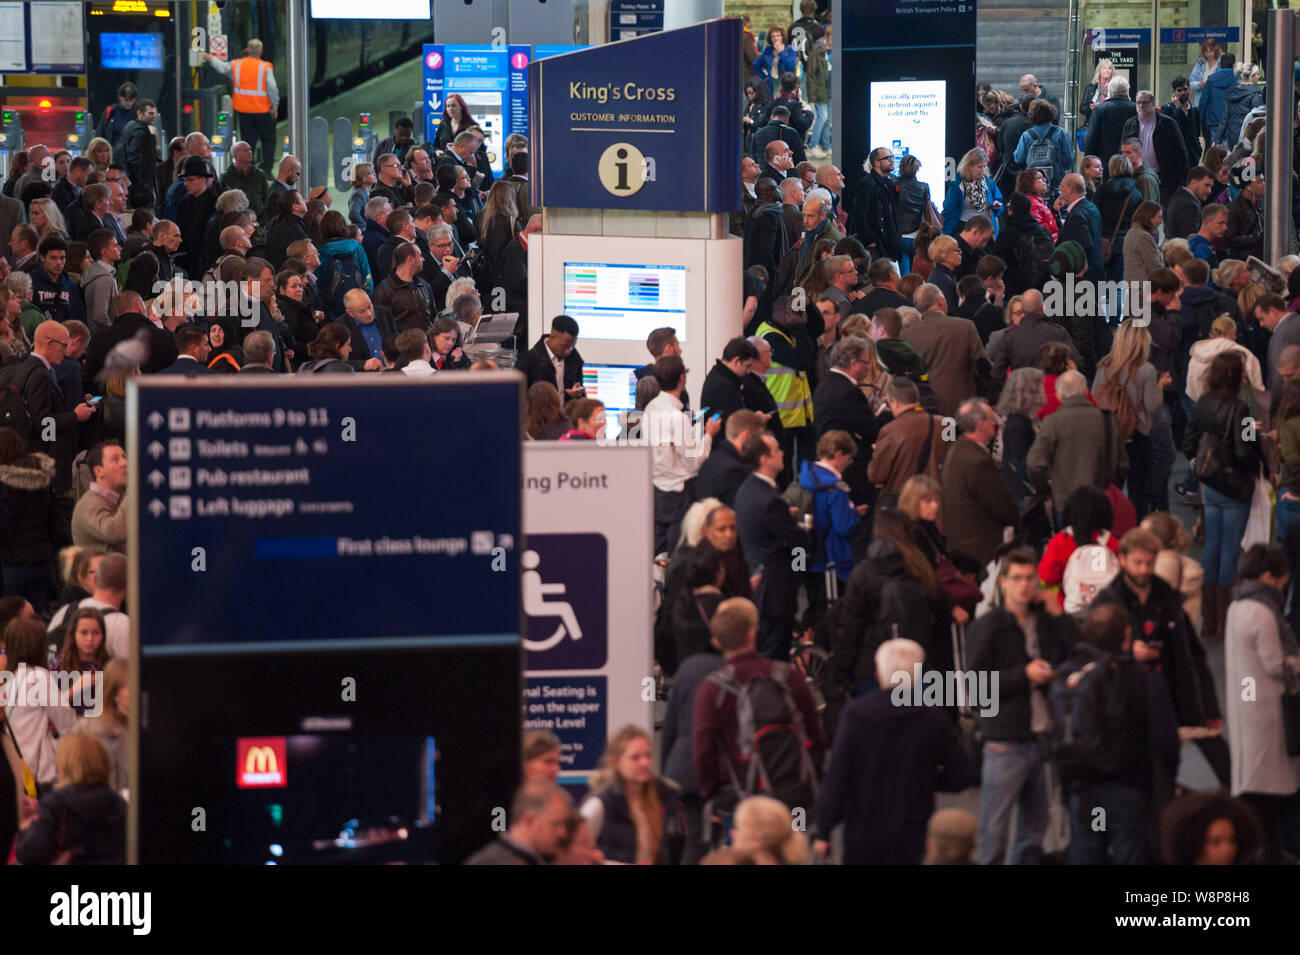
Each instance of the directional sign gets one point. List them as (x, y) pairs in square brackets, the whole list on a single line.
[(326, 513)]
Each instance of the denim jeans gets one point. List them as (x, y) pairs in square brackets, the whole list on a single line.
[(1286, 512), (909, 250), (1013, 775), (1122, 827), (820, 134), (1225, 525)]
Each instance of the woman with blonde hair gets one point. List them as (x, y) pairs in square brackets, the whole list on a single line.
[(113, 722), (1175, 252), (82, 821), (973, 193), (100, 151), (764, 828), (1223, 337), (635, 817), (14, 345), (1126, 376), (46, 219), (1095, 92)]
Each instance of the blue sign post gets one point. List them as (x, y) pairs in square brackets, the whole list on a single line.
[(638, 125), (314, 571), (491, 81)]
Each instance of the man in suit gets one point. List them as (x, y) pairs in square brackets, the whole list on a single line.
[(723, 473), (1187, 116), (555, 360), (192, 353), (1284, 326), (370, 326), (1164, 151), (90, 213), (840, 405), (768, 538), (259, 352), (376, 233), (792, 200), (1105, 127), (19, 249), (286, 179), (68, 189), (1183, 212), (778, 128), (1082, 223), (977, 504), (950, 347), (46, 401), (442, 245), (778, 161)]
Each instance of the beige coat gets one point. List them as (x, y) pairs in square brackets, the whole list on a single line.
[(1254, 661)]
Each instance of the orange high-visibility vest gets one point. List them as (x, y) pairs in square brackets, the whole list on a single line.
[(249, 76)]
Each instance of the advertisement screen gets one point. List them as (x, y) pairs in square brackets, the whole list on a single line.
[(131, 51), (910, 118), (625, 302), (331, 799)]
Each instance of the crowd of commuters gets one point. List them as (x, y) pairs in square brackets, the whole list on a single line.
[(910, 457)]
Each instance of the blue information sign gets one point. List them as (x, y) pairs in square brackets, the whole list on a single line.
[(491, 81), (371, 511), (634, 18), (1199, 34), (639, 125)]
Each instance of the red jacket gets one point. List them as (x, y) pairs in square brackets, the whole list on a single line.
[(1051, 569)]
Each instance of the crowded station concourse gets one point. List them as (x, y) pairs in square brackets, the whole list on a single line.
[(1079, 524)]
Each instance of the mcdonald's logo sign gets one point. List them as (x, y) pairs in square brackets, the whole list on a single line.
[(261, 762)]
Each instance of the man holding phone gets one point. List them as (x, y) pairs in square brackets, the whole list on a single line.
[(678, 447), (1020, 643), (1163, 640)]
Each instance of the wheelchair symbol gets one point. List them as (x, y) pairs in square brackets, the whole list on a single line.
[(536, 605)]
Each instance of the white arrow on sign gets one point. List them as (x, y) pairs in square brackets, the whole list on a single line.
[(435, 104), (156, 478), (156, 420), (155, 449), (156, 507)]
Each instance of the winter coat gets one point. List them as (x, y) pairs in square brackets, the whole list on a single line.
[(1213, 99), (1141, 254), (834, 518), (1202, 354), (881, 597), (1239, 101), (95, 830), (954, 207), (996, 643), (1259, 646), (25, 485), (1116, 217), (1070, 450)]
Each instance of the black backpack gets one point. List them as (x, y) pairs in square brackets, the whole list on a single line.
[(1094, 736), (482, 269), (14, 412), (1034, 253), (772, 739), (341, 276)]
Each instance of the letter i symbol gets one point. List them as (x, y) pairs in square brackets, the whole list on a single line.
[(622, 170)]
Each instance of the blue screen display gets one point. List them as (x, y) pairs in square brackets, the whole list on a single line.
[(131, 51)]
